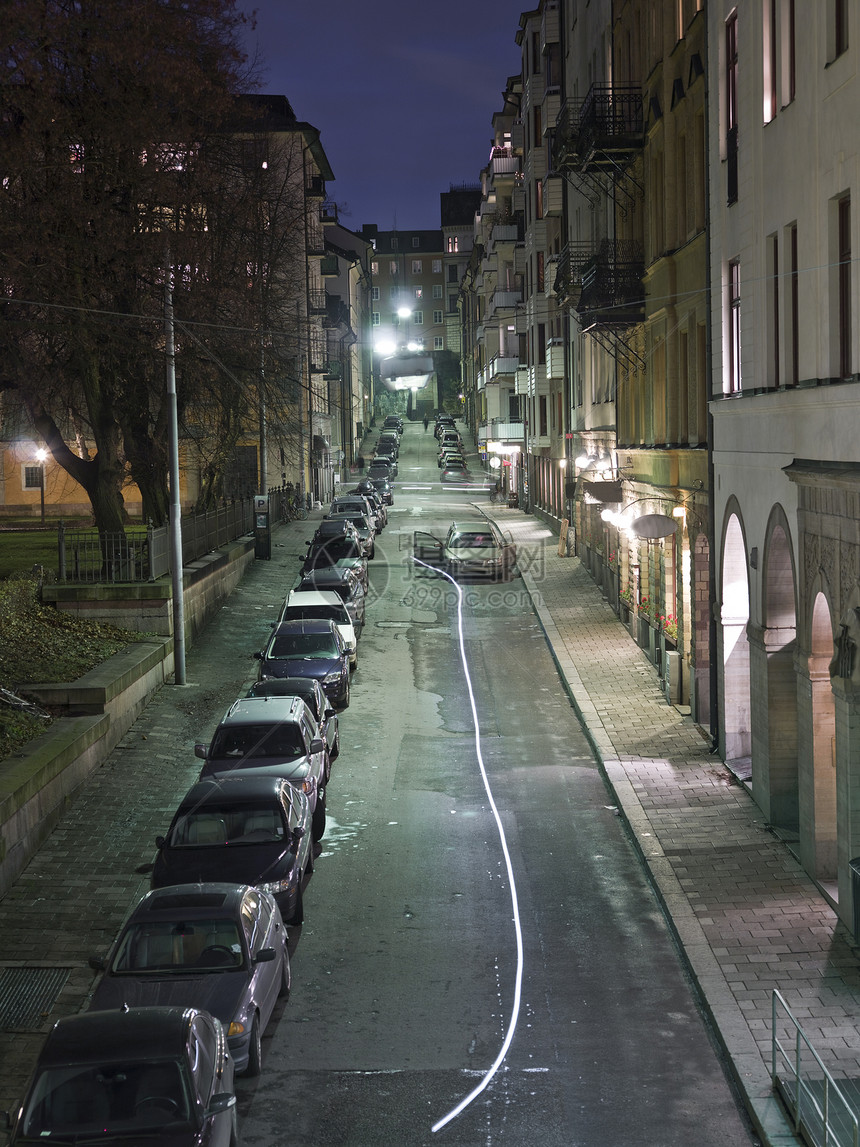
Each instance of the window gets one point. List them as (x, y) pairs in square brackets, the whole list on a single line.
[(375, 319), (437, 266), (416, 241), (438, 343), (845, 287), (733, 372), (452, 302), (840, 27), (452, 274), (395, 243), (417, 266), (794, 306), (419, 292), (418, 318), (33, 477), (789, 72), (732, 108), (374, 268), (374, 294), (437, 290), (769, 55), (772, 293), (539, 199), (453, 244), (392, 267), (392, 292), (542, 419), (438, 317), (539, 281)]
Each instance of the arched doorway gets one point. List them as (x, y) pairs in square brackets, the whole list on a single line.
[(823, 864), (734, 617), (775, 747)]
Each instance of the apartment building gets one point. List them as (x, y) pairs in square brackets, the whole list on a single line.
[(784, 184)]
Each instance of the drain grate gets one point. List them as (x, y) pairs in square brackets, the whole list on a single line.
[(27, 996)]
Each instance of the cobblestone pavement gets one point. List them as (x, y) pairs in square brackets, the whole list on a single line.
[(746, 915)]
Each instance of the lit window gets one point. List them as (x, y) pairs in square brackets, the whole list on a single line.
[(453, 244), (374, 268), (419, 292), (733, 373), (375, 319), (392, 267)]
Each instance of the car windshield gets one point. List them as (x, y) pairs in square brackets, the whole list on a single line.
[(179, 946), (98, 1101), (317, 612), (289, 645), (253, 741), (213, 825), (474, 541)]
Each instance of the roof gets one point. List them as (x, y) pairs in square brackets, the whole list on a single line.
[(134, 1034), (263, 709)]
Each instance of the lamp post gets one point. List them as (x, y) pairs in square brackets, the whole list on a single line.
[(41, 455)]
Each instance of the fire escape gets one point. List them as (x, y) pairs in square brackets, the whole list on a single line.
[(597, 145)]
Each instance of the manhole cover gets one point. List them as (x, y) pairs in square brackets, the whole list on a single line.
[(27, 996)]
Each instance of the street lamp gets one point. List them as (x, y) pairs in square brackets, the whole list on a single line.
[(41, 455)]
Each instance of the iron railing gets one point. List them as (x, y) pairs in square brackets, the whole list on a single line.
[(820, 1110)]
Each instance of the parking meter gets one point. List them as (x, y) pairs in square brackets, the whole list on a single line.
[(262, 527)]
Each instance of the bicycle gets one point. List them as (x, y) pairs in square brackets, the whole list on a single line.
[(297, 511), (496, 493)]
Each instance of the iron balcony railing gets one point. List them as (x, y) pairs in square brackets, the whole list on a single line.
[(605, 128), (612, 294)]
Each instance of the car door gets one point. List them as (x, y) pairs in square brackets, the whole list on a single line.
[(258, 922), (427, 548)]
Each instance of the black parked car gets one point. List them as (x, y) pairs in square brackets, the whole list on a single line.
[(220, 947), (143, 1075), (339, 556), (243, 830), (311, 648), (344, 583)]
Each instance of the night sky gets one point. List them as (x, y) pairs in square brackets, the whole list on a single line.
[(403, 96)]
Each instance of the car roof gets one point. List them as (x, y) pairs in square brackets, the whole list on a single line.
[(118, 1035), (327, 574), (263, 709), (313, 597)]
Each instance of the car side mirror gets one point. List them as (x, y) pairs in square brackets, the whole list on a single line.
[(97, 963), (317, 745), (159, 842), (258, 656), (265, 956), (200, 750), (298, 833), (219, 1103), (329, 713)]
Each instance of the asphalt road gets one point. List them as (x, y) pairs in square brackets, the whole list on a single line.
[(405, 972)]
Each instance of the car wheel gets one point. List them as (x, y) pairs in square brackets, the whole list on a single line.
[(372, 553), (298, 906), (284, 990), (335, 749), (344, 704), (327, 769), (255, 1050), (234, 1129), (318, 822)]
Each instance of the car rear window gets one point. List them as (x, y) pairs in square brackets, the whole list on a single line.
[(255, 741)]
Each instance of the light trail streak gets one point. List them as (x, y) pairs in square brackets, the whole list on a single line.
[(518, 981)]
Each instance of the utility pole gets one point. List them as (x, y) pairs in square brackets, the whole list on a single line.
[(175, 506)]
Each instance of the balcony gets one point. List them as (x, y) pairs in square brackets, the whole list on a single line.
[(538, 442), (505, 300), (518, 135), (612, 297), (549, 25), (502, 430), (521, 381), (329, 265), (316, 240), (602, 132), (317, 301), (553, 195), (502, 365), (555, 358), (551, 108), (328, 213), (574, 258), (503, 162), (315, 187), (506, 233), (481, 380)]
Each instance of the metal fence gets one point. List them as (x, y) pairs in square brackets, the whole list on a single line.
[(822, 1110), (143, 554)]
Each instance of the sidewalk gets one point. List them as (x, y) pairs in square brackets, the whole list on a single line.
[(747, 917)]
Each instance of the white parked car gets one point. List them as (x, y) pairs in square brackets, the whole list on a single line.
[(304, 604)]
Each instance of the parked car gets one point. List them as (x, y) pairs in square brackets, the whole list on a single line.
[(312, 648), (383, 486), (219, 947), (344, 582), (302, 604), (273, 736), (312, 694), (367, 489), (470, 549), (393, 422), (241, 829), (361, 502), (451, 458), (366, 532), (455, 473), (339, 554), (155, 1075), (329, 530), (385, 456)]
